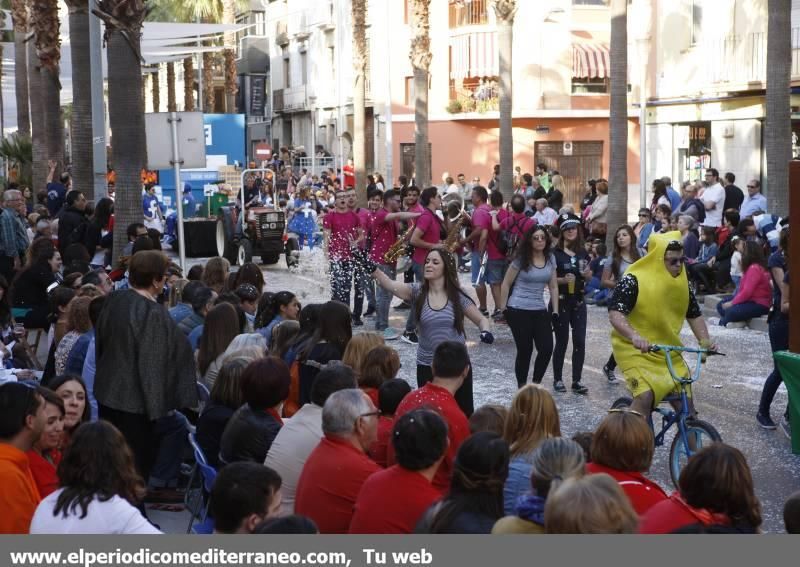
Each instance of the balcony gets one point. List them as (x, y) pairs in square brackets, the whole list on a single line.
[(469, 13), (294, 99)]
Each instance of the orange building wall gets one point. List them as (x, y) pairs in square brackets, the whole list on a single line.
[(472, 146)]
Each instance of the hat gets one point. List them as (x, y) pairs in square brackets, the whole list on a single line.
[(187, 188), (567, 220)]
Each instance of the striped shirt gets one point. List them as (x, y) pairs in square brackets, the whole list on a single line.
[(13, 236), (435, 326)]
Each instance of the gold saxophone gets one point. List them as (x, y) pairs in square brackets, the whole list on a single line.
[(454, 234), (399, 248)]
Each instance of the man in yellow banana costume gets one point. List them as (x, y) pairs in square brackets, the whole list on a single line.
[(648, 306)]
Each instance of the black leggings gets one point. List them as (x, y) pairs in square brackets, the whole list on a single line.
[(571, 313), (463, 394), (529, 328)]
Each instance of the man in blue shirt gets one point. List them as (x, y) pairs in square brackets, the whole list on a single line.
[(673, 196), (189, 203), (13, 236), (755, 202), (56, 192)]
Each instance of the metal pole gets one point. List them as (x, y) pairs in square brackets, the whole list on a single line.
[(176, 166), (201, 102), (99, 165), (313, 139), (643, 123), (340, 86), (388, 110)]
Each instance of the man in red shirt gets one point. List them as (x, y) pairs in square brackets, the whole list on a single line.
[(335, 471), (383, 233), (410, 198), (450, 368), (427, 235), (341, 225), (361, 282), (22, 420), (479, 240), (349, 174), (393, 500)]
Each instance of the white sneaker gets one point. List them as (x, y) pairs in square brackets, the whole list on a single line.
[(390, 334)]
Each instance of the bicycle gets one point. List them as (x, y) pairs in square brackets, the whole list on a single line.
[(702, 432)]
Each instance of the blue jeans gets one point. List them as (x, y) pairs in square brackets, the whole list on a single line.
[(411, 322), (383, 300), (740, 312), (341, 276), (170, 432), (778, 340)]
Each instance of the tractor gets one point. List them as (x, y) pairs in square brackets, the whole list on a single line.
[(260, 231)]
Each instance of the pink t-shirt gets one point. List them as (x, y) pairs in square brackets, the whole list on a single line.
[(365, 218), (431, 228), (482, 219), (341, 226), (383, 234), (517, 223)]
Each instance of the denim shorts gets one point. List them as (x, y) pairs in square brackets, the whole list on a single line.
[(495, 271), (476, 268)]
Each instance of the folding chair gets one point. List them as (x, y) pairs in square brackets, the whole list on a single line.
[(198, 510)]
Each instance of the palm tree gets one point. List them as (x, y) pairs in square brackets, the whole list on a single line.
[(19, 16), (44, 16), (17, 150), (172, 105), (208, 82), (618, 116), (231, 86), (39, 164), (359, 15), (156, 90), (188, 84), (505, 11), (82, 139), (123, 20), (420, 56), (778, 129)]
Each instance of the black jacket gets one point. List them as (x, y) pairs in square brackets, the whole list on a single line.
[(145, 365), (248, 435), (29, 289), (69, 220), (210, 427), (555, 199)]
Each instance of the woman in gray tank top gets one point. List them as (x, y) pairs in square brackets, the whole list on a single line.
[(624, 255), (522, 299), (440, 307)]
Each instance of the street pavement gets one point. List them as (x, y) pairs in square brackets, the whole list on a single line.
[(727, 394)]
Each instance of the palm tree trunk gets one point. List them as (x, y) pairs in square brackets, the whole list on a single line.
[(44, 15), (126, 112), (231, 87), (208, 83), (172, 105), (19, 15), (420, 62), (359, 9), (618, 117), (82, 140), (39, 165), (778, 127), (154, 77), (188, 84), (506, 10)]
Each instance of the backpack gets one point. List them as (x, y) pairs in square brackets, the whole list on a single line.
[(509, 240)]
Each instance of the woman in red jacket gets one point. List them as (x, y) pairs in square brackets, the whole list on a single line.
[(755, 290), (45, 456), (622, 447), (716, 489)]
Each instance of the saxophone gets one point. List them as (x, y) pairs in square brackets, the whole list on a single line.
[(453, 235), (399, 248)]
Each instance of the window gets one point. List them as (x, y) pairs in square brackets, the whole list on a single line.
[(303, 67), (586, 85), (260, 27), (697, 20), (472, 13), (591, 2), (410, 96), (287, 68), (332, 61)]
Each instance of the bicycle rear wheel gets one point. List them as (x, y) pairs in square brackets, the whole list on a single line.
[(700, 434)]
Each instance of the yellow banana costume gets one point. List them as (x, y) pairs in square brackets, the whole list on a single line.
[(658, 316)]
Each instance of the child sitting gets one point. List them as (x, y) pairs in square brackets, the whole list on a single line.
[(390, 394)]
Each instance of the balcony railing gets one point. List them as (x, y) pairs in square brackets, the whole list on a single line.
[(469, 13), (742, 58), (295, 99)]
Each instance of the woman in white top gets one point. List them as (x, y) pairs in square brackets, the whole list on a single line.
[(100, 488)]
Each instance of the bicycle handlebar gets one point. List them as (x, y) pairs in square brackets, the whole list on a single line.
[(691, 350)]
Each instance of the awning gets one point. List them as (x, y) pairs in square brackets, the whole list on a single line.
[(474, 54), (591, 61)]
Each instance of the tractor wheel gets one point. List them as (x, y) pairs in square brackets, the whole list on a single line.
[(292, 253), (225, 245), (270, 258), (244, 252)]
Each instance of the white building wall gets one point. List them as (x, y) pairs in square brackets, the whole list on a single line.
[(736, 147), (660, 153)]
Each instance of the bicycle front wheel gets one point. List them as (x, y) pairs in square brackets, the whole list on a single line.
[(699, 434)]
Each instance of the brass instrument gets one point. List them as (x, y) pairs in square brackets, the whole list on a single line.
[(396, 250), (453, 209)]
